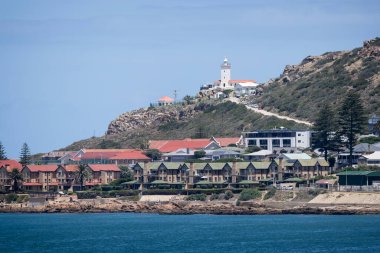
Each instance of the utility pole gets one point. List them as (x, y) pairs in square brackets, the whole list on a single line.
[(175, 95)]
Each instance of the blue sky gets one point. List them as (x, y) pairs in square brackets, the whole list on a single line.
[(67, 68)]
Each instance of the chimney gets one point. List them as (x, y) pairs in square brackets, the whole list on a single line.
[(280, 168), (145, 172), (235, 173), (191, 174)]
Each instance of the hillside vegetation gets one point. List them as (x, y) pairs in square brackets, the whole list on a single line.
[(305, 88), (203, 120)]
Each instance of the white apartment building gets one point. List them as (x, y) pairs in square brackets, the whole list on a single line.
[(278, 138)]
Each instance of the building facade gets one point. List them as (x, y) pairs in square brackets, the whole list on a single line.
[(278, 139)]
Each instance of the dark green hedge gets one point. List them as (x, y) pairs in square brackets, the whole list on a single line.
[(105, 194)]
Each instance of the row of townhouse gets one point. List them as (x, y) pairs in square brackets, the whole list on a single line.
[(59, 177), (233, 173)]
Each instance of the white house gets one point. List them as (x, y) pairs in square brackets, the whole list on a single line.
[(373, 159), (245, 87), (278, 139)]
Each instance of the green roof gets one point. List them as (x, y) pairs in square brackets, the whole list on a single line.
[(286, 163), (172, 165), (266, 180), (154, 165), (374, 174), (242, 165), (307, 162), (218, 166), (295, 179), (248, 182), (197, 166), (160, 182), (323, 162), (208, 183), (354, 173), (131, 182), (261, 165)]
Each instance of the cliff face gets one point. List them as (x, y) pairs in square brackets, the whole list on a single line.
[(304, 88), (152, 117)]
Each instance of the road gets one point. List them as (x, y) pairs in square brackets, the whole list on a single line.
[(266, 113)]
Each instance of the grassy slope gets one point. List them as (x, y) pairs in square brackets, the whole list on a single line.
[(304, 98), (224, 119)]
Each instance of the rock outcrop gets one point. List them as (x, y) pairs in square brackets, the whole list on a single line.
[(152, 117)]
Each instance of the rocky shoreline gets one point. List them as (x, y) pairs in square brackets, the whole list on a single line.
[(188, 207)]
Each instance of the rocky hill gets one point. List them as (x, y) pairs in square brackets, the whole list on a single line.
[(200, 120), (304, 88)]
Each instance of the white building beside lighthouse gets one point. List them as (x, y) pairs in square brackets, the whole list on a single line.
[(240, 87)]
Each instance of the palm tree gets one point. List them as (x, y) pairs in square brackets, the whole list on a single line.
[(15, 176), (82, 174)]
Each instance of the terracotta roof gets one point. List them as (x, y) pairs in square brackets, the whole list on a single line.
[(104, 167), (98, 155), (173, 145), (10, 165), (42, 168), (224, 142), (130, 155), (166, 99), (71, 167), (31, 184)]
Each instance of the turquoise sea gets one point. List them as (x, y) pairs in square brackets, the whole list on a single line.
[(125, 232)]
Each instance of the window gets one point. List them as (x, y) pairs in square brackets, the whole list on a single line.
[(252, 143), (286, 143), (275, 143), (299, 141), (299, 134), (264, 144)]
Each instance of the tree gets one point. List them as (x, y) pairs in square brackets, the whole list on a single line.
[(351, 120), (376, 128), (154, 154), (25, 157), (3, 156), (126, 173), (15, 176), (199, 154), (82, 174), (324, 137), (187, 99), (331, 161)]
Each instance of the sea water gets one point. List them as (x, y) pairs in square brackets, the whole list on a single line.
[(125, 232)]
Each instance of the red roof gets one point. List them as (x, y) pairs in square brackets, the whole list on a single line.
[(166, 99), (71, 167), (42, 168), (224, 142), (173, 145), (104, 167), (130, 155), (10, 165), (97, 155), (31, 184)]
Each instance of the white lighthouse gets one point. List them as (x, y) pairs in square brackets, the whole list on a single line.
[(225, 74)]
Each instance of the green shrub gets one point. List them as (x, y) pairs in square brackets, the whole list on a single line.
[(22, 198), (228, 195), (11, 197), (270, 194), (199, 197), (214, 197), (249, 194)]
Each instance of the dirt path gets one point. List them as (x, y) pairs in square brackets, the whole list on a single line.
[(264, 112)]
